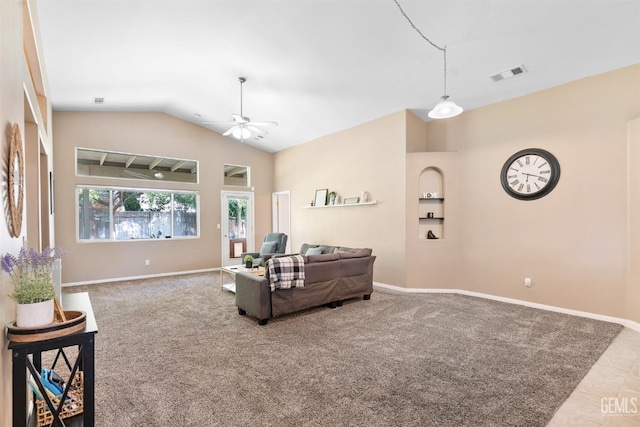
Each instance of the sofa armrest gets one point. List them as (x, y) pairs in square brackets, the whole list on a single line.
[(253, 295)]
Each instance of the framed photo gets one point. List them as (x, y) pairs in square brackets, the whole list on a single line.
[(351, 201), (321, 197)]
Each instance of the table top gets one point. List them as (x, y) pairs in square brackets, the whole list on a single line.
[(80, 302), (77, 302), (259, 271)]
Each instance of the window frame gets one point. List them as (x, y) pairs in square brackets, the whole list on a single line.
[(156, 163), (112, 239)]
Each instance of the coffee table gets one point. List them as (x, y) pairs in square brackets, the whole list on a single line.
[(231, 271)]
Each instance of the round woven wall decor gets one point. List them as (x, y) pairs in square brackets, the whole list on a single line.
[(15, 181)]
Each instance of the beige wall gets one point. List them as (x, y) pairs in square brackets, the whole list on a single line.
[(573, 242), (432, 263), (154, 134), (632, 294), (23, 100), (11, 111), (369, 157)]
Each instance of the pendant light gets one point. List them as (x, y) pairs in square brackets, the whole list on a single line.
[(445, 108)]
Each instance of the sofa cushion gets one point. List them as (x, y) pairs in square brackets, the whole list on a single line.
[(347, 255), (305, 247), (268, 248), (313, 251), (323, 257), (328, 249)]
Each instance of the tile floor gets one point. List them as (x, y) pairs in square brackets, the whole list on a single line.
[(609, 395)]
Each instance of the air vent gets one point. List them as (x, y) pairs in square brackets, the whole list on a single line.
[(507, 74), (98, 100)]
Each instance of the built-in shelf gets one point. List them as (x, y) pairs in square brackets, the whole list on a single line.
[(372, 202), (437, 218), (429, 199)]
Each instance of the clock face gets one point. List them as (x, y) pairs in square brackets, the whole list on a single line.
[(530, 174)]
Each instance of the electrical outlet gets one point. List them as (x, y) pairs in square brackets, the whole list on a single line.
[(527, 282), (146, 262)]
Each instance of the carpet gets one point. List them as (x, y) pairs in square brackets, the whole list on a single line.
[(173, 351)]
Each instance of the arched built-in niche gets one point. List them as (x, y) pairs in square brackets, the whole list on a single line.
[(431, 207)]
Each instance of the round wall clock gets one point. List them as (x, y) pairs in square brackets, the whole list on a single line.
[(16, 181), (530, 174)]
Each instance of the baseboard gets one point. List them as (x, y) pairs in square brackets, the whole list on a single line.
[(624, 322), (146, 276)]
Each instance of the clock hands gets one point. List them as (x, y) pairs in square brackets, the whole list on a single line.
[(530, 174)]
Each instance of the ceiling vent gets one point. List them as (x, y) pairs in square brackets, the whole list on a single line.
[(507, 74), (98, 100)]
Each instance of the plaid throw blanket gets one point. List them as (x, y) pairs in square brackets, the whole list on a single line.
[(286, 272)]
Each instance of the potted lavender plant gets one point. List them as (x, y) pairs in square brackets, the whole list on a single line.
[(31, 274)]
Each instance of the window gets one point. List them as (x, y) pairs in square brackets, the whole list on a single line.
[(127, 214), (236, 175), (112, 164)]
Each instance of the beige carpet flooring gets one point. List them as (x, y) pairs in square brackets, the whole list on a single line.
[(174, 352)]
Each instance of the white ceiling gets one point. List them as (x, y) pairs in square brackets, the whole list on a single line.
[(321, 66)]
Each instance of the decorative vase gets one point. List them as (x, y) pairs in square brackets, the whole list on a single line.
[(248, 264), (35, 314)]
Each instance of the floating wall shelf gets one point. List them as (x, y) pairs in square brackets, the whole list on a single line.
[(372, 202)]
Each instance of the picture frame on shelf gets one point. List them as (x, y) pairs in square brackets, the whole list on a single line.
[(351, 200), (321, 197)]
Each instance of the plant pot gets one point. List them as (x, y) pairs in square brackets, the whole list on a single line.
[(34, 315), (248, 264)]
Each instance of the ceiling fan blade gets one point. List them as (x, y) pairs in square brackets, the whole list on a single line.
[(240, 119), (227, 133), (218, 123), (257, 130), (264, 123), (136, 174)]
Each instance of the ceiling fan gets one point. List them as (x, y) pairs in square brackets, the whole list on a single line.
[(243, 127)]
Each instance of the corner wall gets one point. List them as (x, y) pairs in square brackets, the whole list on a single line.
[(368, 157), (573, 243)]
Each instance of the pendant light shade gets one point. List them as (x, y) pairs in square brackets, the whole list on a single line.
[(445, 109)]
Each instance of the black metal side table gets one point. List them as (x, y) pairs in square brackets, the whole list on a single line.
[(23, 365)]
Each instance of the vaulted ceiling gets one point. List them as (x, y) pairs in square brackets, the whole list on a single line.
[(319, 66)]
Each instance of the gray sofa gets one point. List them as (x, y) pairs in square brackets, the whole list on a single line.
[(335, 275)]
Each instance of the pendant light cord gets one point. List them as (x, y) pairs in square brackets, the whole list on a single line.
[(444, 49), (416, 28)]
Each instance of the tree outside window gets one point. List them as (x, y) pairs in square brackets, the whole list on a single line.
[(128, 214)]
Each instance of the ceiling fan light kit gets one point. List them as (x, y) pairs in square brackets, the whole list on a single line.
[(243, 128), (240, 132)]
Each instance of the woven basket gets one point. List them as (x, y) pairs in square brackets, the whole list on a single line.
[(73, 405)]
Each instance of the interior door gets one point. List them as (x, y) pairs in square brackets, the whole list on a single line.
[(237, 225), (281, 214)]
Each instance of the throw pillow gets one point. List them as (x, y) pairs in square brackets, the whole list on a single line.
[(268, 248), (313, 251)]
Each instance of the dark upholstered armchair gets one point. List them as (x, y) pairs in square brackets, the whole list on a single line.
[(273, 244)]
